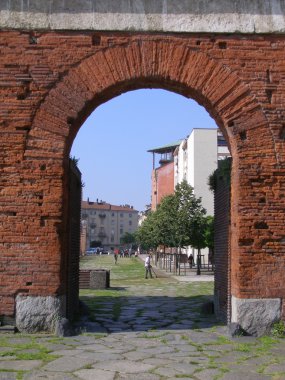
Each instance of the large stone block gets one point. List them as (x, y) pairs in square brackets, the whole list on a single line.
[(216, 16), (38, 313), (256, 316), (99, 279)]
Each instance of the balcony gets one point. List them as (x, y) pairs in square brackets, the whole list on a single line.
[(102, 215)]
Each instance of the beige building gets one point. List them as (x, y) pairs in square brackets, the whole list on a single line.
[(106, 223)]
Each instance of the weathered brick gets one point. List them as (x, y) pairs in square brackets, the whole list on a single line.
[(49, 88)]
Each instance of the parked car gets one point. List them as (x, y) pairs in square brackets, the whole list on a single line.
[(91, 251)]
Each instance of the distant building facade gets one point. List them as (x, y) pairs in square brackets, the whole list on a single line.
[(193, 159), (106, 223), (196, 158)]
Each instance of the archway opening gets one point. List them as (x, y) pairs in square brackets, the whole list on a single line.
[(112, 148)]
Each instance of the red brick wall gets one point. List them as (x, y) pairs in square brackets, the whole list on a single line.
[(49, 84), (222, 248), (73, 250), (162, 183)]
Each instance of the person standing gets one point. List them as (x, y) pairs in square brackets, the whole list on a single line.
[(116, 254), (147, 266)]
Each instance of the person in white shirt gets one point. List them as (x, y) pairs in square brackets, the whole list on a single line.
[(147, 266)]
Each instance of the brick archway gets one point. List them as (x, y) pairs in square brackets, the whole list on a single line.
[(218, 84)]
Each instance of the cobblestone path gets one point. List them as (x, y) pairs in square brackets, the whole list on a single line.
[(144, 330)]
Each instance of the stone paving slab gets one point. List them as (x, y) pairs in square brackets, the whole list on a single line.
[(8, 376), (273, 368), (244, 376), (141, 376), (68, 364), (124, 366), (93, 374), (207, 374), (41, 375), (192, 346), (20, 365)]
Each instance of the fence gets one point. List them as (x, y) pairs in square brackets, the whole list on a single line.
[(178, 263)]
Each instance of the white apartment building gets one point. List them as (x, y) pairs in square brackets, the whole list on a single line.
[(195, 160), (106, 223)]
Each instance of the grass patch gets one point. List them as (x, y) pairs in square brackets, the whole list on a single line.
[(20, 351)]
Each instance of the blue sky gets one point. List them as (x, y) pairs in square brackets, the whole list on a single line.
[(112, 144)]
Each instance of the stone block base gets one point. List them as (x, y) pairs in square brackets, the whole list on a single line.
[(34, 314), (256, 316)]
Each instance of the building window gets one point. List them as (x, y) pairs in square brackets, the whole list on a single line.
[(112, 221), (113, 214), (121, 231), (130, 222), (130, 215), (112, 239)]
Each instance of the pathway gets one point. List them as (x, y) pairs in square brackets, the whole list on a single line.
[(144, 330)]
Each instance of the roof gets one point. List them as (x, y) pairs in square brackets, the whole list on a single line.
[(165, 148), (106, 206)]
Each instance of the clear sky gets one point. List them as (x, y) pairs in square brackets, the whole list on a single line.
[(112, 144)]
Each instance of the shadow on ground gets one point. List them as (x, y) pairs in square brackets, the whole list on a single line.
[(144, 313)]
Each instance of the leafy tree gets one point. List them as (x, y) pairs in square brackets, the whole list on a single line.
[(209, 232), (178, 221), (190, 214), (128, 238), (166, 221), (146, 235)]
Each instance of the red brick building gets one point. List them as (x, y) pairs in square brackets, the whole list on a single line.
[(162, 178)]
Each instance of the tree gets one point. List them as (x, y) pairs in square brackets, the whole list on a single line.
[(178, 221), (209, 232), (166, 221), (146, 235), (128, 238), (190, 215)]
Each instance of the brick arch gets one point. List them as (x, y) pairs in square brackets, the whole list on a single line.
[(148, 64), (152, 62)]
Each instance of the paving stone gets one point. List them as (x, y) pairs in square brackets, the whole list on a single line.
[(158, 362), (29, 351), (185, 348), (136, 355), (124, 366), (8, 376), (20, 365), (141, 376), (184, 368), (166, 372), (67, 352), (106, 356), (20, 340), (7, 357), (94, 347), (207, 374), (5, 349), (68, 364), (158, 349), (41, 375), (275, 368), (244, 376), (92, 374), (54, 346)]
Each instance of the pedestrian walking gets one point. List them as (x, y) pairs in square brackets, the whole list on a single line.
[(147, 266)]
